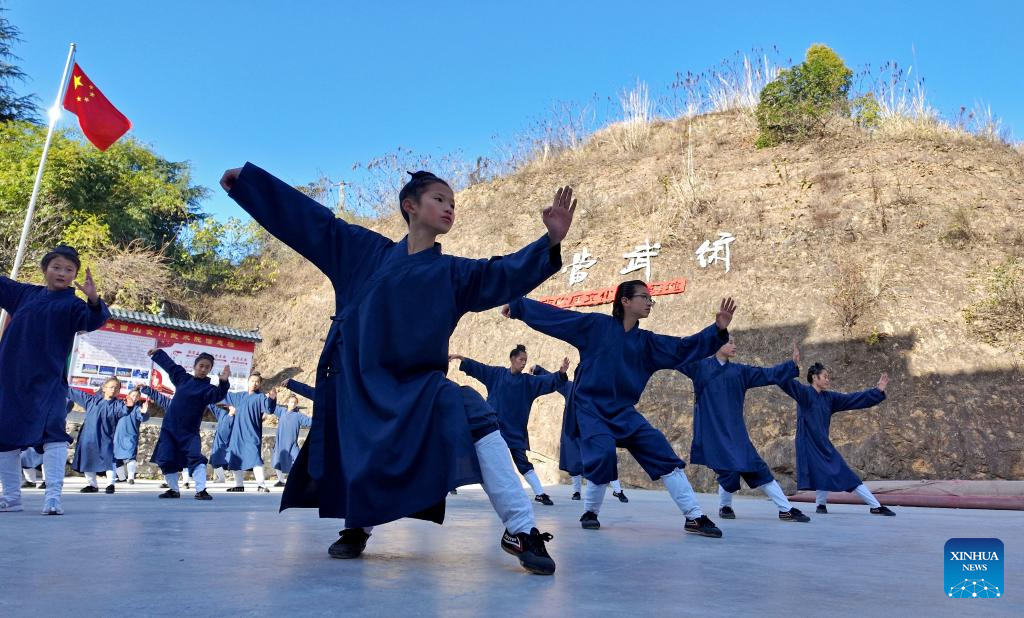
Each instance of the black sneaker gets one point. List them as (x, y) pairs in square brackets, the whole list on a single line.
[(109, 489), (703, 526), (544, 499), (236, 489), (279, 484), (794, 514), (621, 495), (530, 550), (89, 489), (170, 493), (262, 490), (453, 492), (821, 510), (576, 495), (726, 512), (164, 486), (28, 485), (131, 481), (41, 485), (883, 510), (589, 521), (188, 485), (203, 495), (350, 544)]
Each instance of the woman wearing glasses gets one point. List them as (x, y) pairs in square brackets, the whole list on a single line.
[(617, 358)]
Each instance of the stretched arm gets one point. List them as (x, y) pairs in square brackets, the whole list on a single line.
[(335, 247), (176, 372), (856, 401), (794, 389), (571, 327), (479, 371), (80, 397), (161, 400), (543, 384), (666, 352), (754, 377), (11, 292), (303, 390), (304, 421), (217, 393), (483, 284)]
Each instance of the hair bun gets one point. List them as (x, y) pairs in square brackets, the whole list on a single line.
[(421, 175)]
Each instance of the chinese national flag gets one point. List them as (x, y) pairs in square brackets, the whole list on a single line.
[(99, 119)]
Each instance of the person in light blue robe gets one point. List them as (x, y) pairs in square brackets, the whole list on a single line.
[(221, 440), (617, 358), (290, 421), (126, 436), (94, 449), (819, 466), (34, 351), (245, 445), (380, 386), (720, 438), (511, 392)]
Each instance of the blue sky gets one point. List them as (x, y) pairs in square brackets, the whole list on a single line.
[(307, 87)]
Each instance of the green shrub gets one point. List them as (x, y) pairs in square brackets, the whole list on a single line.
[(801, 102)]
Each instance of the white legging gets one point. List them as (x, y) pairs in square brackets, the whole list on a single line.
[(821, 497), (772, 490), (257, 472), (676, 483), (90, 477)]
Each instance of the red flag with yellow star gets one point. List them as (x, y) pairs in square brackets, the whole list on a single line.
[(101, 122)]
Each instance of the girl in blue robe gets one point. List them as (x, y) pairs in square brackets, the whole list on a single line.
[(180, 446), (720, 438), (221, 439), (819, 466), (617, 358), (511, 393), (245, 445), (391, 434), (289, 423), (126, 435), (33, 383), (94, 449), (31, 461)]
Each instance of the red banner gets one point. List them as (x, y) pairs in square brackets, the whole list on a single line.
[(605, 296)]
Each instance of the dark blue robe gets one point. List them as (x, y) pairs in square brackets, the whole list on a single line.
[(720, 438), (34, 354), (244, 450), (614, 369), (94, 449), (180, 446), (512, 395), (221, 437), (126, 435), (818, 464), (569, 458), (390, 434)]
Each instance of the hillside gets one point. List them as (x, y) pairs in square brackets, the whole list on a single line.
[(903, 230)]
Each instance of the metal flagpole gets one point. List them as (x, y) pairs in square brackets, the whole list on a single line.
[(54, 114)]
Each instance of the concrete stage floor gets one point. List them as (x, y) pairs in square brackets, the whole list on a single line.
[(131, 554)]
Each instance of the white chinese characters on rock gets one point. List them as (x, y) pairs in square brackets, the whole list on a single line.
[(718, 251), (640, 258), (581, 261)]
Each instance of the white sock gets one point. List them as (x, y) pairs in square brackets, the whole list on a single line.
[(132, 468), (593, 497), (577, 483), (90, 478), (172, 480), (534, 481), (866, 495), (218, 475), (774, 491), (111, 476), (200, 476), (239, 478), (55, 458), (616, 486), (121, 473), (679, 488), (261, 480), (185, 476), (724, 497), (10, 479), (280, 475), (501, 484), (31, 475), (820, 497)]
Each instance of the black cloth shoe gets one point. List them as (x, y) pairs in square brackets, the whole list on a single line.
[(794, 514), (164, 485), (89, 489), (28, 485), (621, 495), (41, 485), (703, 526), (544, 499), (726, 512), (530, 550), (203, 495), (187, 485), (279, 484), (236, 489), (109, 489), (589, 521), (262, 490), (883, 510), (453, 492), (131, 481), (350, 544), (170, 493), (576, 495), (821, 510)]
